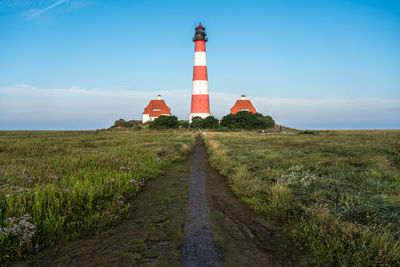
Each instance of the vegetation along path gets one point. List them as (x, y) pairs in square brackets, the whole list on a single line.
[(244, 237), (216, 229), (151, 236)]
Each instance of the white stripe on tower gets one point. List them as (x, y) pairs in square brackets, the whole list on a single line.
[(200, 59), (200, 88)]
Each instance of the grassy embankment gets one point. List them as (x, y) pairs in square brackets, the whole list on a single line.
[(57, 186), (336, 192)]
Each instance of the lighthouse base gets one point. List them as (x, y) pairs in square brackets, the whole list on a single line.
[(201, 115)]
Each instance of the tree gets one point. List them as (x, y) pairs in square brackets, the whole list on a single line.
[(210, 123), (183, 124), (123, 123), (120, 123), (270, 123), (164, 122), (247, 120), (196, 122)]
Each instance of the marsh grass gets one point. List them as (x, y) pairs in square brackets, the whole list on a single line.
[(72, 184), (337, 192)]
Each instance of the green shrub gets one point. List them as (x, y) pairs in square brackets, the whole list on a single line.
[(209, 123), (125, 124), (247, 120), (196, 123), (306, 132), (165, 122), (183, 124)]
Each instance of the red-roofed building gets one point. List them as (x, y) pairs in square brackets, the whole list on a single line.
[(155, 109), (243, 104)]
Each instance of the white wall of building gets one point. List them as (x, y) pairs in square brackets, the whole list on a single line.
[(146, 117)]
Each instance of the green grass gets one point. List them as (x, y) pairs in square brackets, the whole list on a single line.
[(71, 184), (337, 192)]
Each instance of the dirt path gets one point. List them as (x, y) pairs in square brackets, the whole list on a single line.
[(199, 248), (216, 229)]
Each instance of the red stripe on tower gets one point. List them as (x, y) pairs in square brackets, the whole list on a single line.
[(200, 46), (200, 73), (200, 99), (200, 105)]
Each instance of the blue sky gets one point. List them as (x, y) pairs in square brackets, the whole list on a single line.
[(75, 64)]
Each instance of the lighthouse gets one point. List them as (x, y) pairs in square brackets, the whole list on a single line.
[(200, 99)]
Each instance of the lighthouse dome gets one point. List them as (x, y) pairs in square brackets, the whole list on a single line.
[(200, 34), (200, 26)]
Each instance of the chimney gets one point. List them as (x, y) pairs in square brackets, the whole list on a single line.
[(243, 97), (159, 97)]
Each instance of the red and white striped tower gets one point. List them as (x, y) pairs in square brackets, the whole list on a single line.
[(200, 99)]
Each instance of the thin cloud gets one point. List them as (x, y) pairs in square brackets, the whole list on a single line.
[(33, 13), (28, 107)]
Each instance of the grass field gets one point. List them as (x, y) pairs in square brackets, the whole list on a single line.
[(57, 186), (336, 192)]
